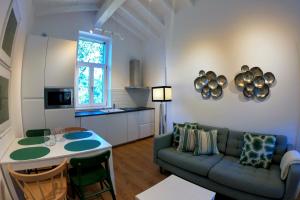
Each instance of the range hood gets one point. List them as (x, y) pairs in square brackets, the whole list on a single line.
[(136, 75)]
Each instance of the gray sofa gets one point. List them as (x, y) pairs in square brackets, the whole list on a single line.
[(223, 174)]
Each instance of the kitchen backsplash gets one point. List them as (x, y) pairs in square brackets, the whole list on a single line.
[(129, 98)]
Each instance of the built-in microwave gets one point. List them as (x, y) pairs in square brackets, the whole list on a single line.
[(58, 98)]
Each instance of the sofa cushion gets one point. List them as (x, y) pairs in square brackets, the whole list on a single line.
[(257, 181), (258, 150), (222, 136), (235, 144), (177, 128), (196, 164), (187, 140), (206, 142)]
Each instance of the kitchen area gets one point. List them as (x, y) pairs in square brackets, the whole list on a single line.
[(49, 95)]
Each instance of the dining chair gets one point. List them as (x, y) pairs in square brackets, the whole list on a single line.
[(73, 129), (89, 171), (37, 132), (50, 185)]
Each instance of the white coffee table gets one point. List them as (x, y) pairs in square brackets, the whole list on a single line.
[(175, 188)]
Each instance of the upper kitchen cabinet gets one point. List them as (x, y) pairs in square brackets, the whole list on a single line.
[(34, 66), (60, 63)]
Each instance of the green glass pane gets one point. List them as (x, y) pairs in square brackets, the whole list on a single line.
[(83, 85), (98, 85), (91, 52)]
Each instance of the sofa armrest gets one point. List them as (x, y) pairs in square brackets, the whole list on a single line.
[(292, 183), (161, 142), (290, 147)]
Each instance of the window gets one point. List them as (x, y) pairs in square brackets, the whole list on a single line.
[(93, 71), (7, 36)]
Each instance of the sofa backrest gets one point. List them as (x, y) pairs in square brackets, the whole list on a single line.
[(236, 141), (222, 136)]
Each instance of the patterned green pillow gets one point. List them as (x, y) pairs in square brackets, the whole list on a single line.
[(177, 127), (187, 140), (258, 150), (206, 142)]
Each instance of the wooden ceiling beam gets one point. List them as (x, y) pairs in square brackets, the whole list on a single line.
[(148, 14), (107, 10), (66, 9), (125, 25), (140, 25)]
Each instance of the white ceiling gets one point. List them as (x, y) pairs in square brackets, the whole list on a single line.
[(144, 18)]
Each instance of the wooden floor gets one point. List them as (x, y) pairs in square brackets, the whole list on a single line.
[(134, 169)]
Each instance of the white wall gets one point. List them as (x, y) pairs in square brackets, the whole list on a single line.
[(26, 12), (223, 35), (66, 26)]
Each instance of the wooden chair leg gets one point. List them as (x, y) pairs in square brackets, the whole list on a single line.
[(101, 184)]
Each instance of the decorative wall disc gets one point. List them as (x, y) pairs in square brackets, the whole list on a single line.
[(209, 84), (256, 71), (211, 75), (269, 78), (201, 73), (248, 77), (213, 84), (247, 93), (259, 82), (245, 68), (217, 92), (198, 85), (221, 80), (262, 93), (205, 92), (239, 80), (254, 83)]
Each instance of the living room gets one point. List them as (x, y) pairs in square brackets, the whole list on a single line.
[(181, 90)]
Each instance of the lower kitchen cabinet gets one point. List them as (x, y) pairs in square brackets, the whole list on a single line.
[(133, 130), (112, 128), (146, 130), (122, 127)]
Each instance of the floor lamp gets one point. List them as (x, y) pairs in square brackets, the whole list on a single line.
[(162, 94)]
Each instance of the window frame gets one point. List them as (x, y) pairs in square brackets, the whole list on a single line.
[(107, 72), (6, 59)]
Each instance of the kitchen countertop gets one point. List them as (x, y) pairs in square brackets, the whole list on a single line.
[(94, 112)]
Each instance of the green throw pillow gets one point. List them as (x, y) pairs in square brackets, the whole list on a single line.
[(206, 142), (177, 127), (187, 140), (258, 150)]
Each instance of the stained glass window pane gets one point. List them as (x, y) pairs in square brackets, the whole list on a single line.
[(98, 85), (83, 85), (91, 52)]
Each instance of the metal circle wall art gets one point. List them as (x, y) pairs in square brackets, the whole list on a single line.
[(254, 83), (209, 84)]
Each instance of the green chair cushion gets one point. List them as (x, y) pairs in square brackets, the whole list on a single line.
[(33, 140), (82, 145), (29, 153), (88, 176)]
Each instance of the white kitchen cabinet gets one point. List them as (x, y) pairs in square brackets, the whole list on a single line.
[(33, 67), (60, 63), (59, 118), (112, 128), (33, 114), (146, 130), (133, 126), (116, 127), (121, 128), (146, 116), (95, 123)]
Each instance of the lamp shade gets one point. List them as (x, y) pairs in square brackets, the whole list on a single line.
[(161, 93)]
